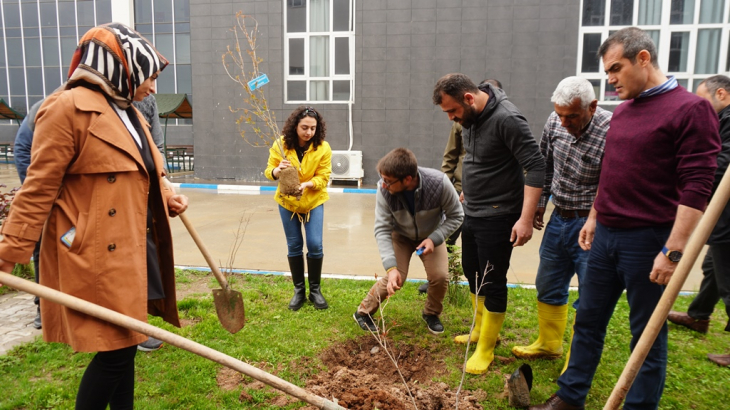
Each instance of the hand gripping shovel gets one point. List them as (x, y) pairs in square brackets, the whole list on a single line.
[(119, 319), (228, 302)]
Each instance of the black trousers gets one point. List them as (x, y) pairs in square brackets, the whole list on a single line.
[(485, 246), (36, 262), (715, 284), (451, 240), (108, 380)]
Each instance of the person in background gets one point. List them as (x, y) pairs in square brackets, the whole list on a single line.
[(715, 269), (304, 148), (22, 147), (96, 190)]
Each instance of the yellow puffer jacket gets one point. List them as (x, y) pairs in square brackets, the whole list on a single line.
[(316, 167)]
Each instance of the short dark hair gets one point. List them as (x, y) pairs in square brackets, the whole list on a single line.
[(291, 139), (399, 163), (492, 81), (716, 82), (634, 40), (454, 85)]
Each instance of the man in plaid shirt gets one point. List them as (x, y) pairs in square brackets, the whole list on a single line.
[(572, 143)]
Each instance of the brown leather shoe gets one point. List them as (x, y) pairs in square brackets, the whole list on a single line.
[(555, 403), (687, 321), (720, 359)]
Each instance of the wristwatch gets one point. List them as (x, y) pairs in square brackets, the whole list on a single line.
[(673, 256)]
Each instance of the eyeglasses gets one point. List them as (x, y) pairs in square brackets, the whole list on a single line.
[(309, 110), (387, 184)]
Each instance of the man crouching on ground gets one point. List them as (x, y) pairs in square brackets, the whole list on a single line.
[(416, 209)]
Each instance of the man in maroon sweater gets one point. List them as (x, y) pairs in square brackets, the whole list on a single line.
[(657, 175)]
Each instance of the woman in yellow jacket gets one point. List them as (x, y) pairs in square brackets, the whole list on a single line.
[(304, 148)]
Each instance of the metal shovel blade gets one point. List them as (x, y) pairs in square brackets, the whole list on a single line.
[(229, 306)]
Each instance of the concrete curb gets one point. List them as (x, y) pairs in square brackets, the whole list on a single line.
[(358, 277)]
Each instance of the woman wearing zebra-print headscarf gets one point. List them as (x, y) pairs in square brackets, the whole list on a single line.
[(95, 179)]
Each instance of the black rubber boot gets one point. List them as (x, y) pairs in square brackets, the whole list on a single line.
[(296, 265), (315, 276)]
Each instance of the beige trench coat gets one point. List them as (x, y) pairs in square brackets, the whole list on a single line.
[(87, 172)]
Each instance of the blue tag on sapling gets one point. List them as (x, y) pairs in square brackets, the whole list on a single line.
[(258, 82)]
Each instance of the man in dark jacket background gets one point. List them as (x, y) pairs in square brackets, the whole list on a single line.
[(716, 266), (499, 198)]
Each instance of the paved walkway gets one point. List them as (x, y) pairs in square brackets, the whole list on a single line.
[(17, 312)]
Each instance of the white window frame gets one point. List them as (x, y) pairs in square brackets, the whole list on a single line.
[(350, 35), (665, 31)]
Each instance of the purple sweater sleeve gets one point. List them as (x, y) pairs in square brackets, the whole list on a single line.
[(697, 157)]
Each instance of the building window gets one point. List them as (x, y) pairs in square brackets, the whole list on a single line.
[(319, 51), (167, 24), (37, 41), (692, 37)]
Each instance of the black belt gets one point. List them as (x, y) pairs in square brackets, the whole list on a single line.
[(572, 213)]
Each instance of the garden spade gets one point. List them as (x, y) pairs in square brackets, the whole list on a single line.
[(228, 302), (127, 322)]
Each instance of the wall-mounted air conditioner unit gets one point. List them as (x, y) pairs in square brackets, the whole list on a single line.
[(347, 165)]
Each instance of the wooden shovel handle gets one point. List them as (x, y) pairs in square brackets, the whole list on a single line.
[(199, 242), (168, 337), (194, 234)]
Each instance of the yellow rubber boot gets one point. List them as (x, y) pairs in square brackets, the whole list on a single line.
[(549, 343), (479, 302), (483, 355), (570, 345)]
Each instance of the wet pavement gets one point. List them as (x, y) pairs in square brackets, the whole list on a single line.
[(349, 246), (17, 312)]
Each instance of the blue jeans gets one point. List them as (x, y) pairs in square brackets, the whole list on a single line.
[(560, 258), (619, 259), (293, 232)]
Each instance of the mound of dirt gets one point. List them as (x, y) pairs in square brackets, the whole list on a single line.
[(361, 376)]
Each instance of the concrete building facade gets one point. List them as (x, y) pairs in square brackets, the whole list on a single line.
[(369, 66)]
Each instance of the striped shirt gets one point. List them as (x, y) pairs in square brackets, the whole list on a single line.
[(572, 166), (668, 85)]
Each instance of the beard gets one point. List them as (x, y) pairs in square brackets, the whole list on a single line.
[(469, 117)]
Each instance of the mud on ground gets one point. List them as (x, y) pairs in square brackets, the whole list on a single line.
[(360, 376)]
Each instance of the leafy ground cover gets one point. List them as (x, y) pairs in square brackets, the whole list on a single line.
[(320, 350)]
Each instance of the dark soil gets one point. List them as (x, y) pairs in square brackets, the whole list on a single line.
[(289, 182), (362, 377), (359, 375)]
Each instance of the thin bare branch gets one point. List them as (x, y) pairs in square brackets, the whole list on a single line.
[(242, 65), (381, 338), (487, 269)]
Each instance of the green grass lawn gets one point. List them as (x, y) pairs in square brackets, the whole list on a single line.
[(43, 376)]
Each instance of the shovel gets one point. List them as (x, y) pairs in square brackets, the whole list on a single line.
[(127, 322), (228, 302)]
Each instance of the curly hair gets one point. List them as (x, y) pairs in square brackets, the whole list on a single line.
[(291, 139)]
